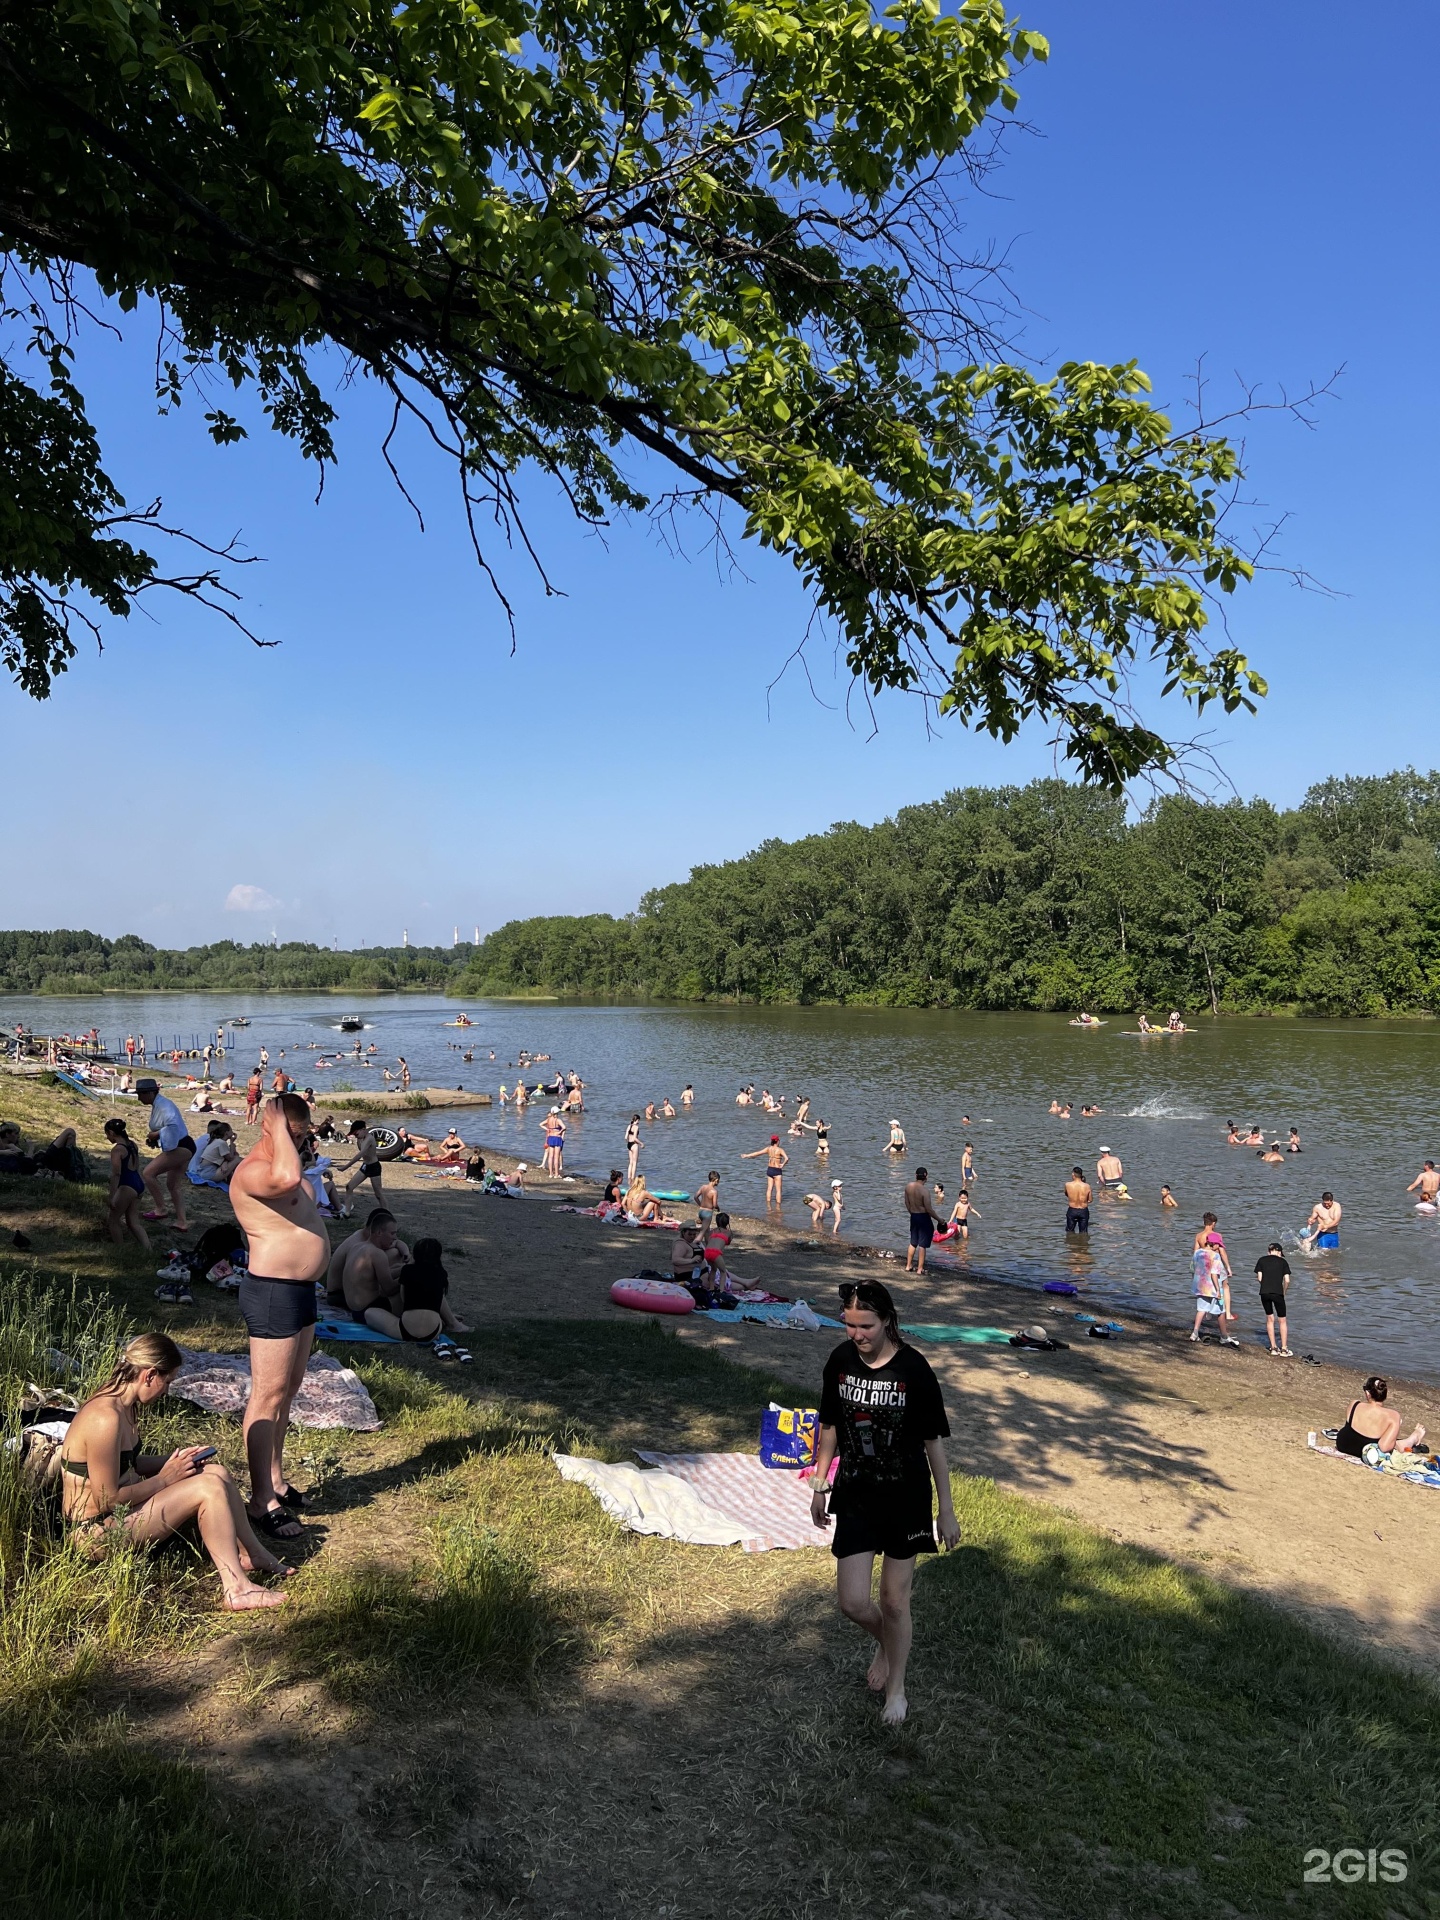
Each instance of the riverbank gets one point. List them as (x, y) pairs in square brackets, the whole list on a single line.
[(484, 1699)]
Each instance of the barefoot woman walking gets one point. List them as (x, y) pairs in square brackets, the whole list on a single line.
[(881, 1407)]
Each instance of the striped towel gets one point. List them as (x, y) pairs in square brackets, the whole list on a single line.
[(769, 1503)]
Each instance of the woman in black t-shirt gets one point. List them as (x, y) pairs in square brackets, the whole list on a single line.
[(880, 1408)]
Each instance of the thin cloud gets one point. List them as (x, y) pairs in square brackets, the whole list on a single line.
[(246, 899)]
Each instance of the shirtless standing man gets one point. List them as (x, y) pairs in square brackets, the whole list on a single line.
[(923, 1218), (776, 1160), (1109, 1169), (1428, 1181), (289, 1250), (1077, 1202)]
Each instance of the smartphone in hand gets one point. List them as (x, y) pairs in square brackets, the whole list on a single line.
[(205, 1453)]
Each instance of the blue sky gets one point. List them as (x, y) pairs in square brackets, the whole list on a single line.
[(1248, 185)]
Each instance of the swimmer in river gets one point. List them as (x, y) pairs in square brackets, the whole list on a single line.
[(1272, 1156), (1065, 1111), (1427, 1182), (1322, 1230), (1255, 1138), (1167, 1198), (776, 1160), (1294, 1146), (1233, 1135), (967, 1164), (896, 1142), (687, 1098), (822, 1136), (649, 1110), (802, 1112), (1054, 1106), (1109, 1170), (1077, 1202), (667, 1110)]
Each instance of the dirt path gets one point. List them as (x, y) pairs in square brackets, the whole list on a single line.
[(1199, 1454)]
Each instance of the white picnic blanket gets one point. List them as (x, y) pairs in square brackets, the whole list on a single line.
[(771, 1503), (330, 1395), (659, 1503), (707, 1499)]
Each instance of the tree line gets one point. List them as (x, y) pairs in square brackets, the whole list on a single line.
[(63, 961), (1044, 896)]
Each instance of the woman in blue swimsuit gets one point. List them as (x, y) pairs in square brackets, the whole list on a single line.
[(127, 1189)]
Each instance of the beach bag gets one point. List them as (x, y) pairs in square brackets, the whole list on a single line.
[(787, 1436)]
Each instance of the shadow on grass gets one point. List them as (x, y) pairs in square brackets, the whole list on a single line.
[(112, 1832)]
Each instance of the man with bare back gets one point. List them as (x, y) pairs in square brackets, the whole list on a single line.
[(365, 1269), (289, 1251)]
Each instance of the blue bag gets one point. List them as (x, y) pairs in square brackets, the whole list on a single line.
[(787, 1436)]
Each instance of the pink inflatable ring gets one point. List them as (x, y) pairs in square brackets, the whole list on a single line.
[(653, 1296)]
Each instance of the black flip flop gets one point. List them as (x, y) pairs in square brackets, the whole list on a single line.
[(293, 1500), (273, 1522)]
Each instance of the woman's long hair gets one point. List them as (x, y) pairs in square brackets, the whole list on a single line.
[(147, 1352)]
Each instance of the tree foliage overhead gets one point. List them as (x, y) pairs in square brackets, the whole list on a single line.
[(607, 240), (1039, 896)]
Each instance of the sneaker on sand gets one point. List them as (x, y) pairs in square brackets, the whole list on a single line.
[(1195, 1337), (1229, 1341)]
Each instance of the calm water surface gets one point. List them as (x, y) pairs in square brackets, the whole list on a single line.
[(1360, 1094)]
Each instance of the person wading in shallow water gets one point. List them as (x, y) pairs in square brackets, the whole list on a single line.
[(882, 1411), (776, 1160)]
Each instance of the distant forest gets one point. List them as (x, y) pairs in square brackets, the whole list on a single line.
[(65, 962), (1045, 896)]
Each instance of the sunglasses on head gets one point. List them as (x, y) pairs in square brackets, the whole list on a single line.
[(851, 1290)]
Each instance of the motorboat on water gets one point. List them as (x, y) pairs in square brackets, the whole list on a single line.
[(351, 1023), (238, 1021)]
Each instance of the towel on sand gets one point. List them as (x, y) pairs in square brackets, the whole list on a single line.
[(774, 1313), (771, 1503), (1420, 1469), (355, 1331), (657, 1503), (329, 1396), (970, 1336)]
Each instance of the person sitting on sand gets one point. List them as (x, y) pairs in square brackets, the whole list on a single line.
[(684, 1254), (1371, 1423), (641, 1205), (110, 1490), (418, 1309), (614, 1194), (475, 1166), (452, 1147), (365, 1268), (217, 1157)]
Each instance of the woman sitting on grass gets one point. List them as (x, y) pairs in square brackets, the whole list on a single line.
[(418, 1309), (1371, 1423), (127, 1189), (110, 1487)]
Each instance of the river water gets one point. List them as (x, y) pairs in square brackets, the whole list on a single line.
[(1359, 1092)]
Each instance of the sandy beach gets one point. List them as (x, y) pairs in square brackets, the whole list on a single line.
[(1198, 1453)]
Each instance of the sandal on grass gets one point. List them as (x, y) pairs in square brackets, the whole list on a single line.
[(277, 1524), (293, 1499)]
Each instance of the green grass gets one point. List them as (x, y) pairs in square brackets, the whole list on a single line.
[(1094, 1731)]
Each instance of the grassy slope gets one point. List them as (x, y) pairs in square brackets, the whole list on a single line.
[(1095, 1732)]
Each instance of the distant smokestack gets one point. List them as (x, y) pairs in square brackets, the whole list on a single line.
[(477, 936), (455, 937), (405, 936)]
